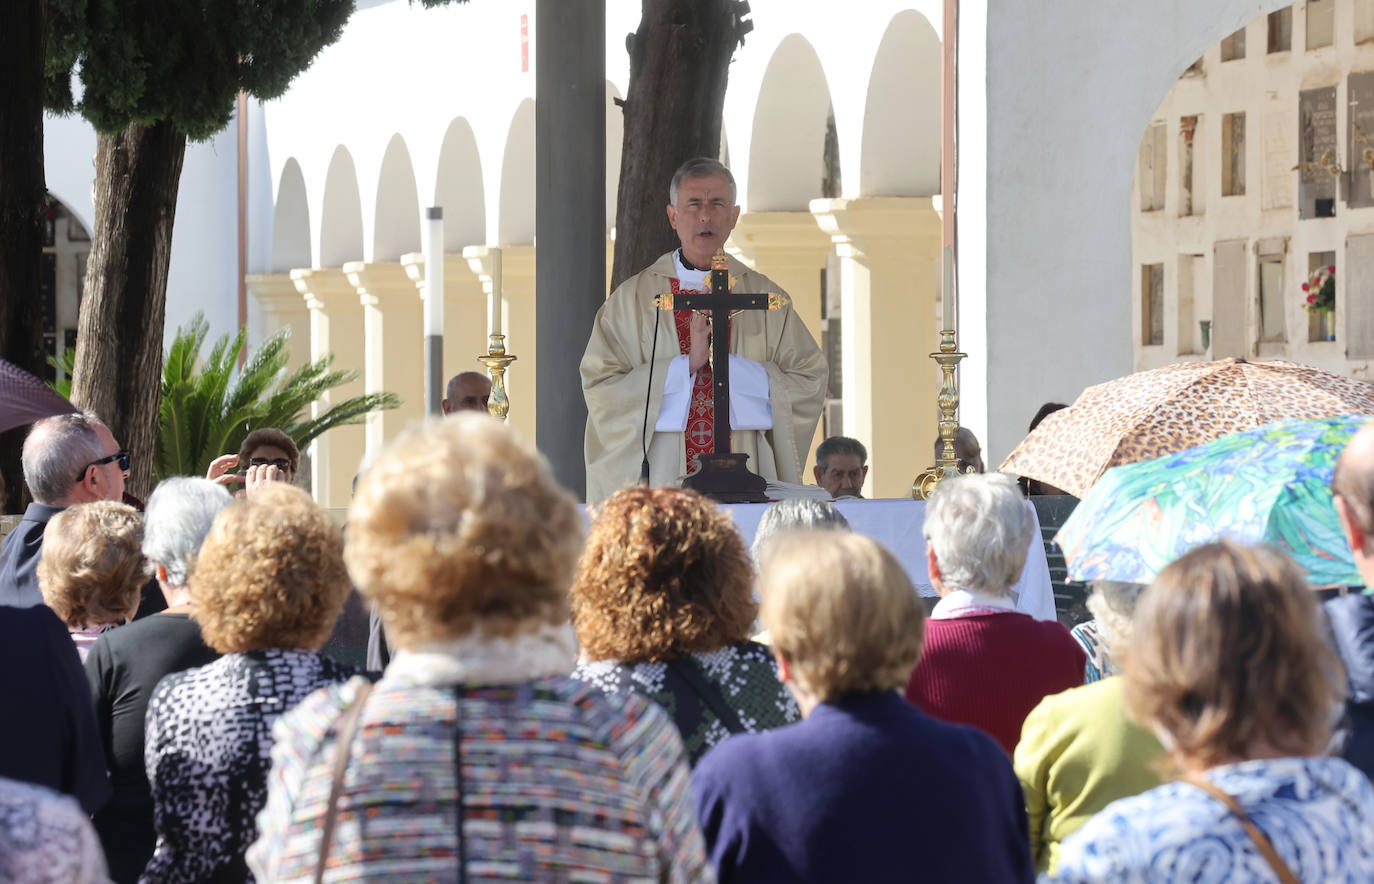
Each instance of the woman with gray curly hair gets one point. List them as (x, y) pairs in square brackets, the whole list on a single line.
[(127, 663), (985, 663), (1112, 605)]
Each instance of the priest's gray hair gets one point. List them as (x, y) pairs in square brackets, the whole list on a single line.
[(800, 514), (55, 451), (701, 167), (980, 528), (180, 512)]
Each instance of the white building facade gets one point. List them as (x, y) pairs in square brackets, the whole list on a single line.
[(416, 107)]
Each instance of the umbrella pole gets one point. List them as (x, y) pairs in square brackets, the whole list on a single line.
[(947, 464)]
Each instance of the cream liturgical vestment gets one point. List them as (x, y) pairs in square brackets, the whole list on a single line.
[(615, 381)]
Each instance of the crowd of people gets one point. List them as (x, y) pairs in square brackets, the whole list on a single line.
[(649, 698)]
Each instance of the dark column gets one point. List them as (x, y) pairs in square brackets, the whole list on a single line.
[(570, 220)]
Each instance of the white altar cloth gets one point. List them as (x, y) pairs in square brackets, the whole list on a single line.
[(896, 524)]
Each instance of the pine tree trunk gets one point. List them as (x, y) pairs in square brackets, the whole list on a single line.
[(119, 338), (22, 192), (679, 64)]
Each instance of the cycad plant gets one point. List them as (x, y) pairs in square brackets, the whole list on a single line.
[(208, 408)]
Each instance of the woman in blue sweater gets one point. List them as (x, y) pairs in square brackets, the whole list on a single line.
[(866, 787)]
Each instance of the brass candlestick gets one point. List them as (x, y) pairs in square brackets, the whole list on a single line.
[(947, 464), (496, 360)]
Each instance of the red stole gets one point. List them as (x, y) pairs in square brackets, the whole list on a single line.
[(700, 434)]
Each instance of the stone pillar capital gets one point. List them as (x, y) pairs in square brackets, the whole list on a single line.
[(867, 222), (383, 284), (325, 289), (516, 262), (782, 235), (276, 292), (413, 263)]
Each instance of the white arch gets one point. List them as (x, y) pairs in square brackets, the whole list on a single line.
[(290, 221), (341, 218), (516, 225), (396, 230), (786, 159), (1068, 90), (901, 133), (458, 188)]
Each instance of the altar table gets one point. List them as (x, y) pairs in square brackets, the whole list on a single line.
[(896, 524)]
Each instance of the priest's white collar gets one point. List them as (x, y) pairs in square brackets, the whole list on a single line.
[(688, 277)]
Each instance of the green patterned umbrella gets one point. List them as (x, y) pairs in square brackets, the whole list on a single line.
[(1271, 484)]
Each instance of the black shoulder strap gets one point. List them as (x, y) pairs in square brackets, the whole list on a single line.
[(686, 671)]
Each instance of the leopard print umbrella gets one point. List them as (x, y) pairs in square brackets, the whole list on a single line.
[(1157, 412)]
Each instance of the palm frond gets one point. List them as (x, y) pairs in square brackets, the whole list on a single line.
[(209, 406)]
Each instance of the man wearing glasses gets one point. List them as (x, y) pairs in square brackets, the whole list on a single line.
[(67, 459)]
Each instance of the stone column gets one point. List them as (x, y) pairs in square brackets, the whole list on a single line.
[(520, 326), (887, 248), (282, 307), (570, 226), (336, 327), (465, 311), (393, 345), (789, 248)]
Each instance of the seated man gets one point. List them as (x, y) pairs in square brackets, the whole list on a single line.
[(985, 663), (966, 449), (865, 787), (841, 466), (467, 391)]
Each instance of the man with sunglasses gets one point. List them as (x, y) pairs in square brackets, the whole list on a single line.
[(67, 459)]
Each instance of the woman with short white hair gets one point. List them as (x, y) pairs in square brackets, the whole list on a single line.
[(985, 663), (127, 663)]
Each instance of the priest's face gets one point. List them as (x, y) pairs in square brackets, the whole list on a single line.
[(703, 217)]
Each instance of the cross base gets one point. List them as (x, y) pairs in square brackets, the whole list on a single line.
[(724, 478)]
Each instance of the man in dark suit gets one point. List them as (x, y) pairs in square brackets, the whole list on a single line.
[(67, 459)]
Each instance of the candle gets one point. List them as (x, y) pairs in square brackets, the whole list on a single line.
[(947, 286), (494, 300)]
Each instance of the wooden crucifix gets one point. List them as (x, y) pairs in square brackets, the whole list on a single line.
[(722, 475)]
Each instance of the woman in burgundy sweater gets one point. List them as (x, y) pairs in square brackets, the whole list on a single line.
[(985, 664)]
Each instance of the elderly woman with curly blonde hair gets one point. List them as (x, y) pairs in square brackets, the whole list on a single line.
[(663, 605), (268, 584), (91, 571), (475, 753)]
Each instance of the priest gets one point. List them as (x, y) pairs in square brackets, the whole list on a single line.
[(646, 373)]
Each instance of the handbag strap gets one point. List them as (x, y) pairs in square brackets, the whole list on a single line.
[(347, 726), (1265, 846), (686, 671)]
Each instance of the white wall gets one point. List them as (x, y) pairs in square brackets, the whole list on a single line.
[(204, 267), (1070, 87)]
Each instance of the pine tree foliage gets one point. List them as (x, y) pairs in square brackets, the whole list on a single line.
[(151, 61)]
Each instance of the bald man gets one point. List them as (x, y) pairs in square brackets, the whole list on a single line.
[(966, 449), (467, 391), (1352, 616)]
